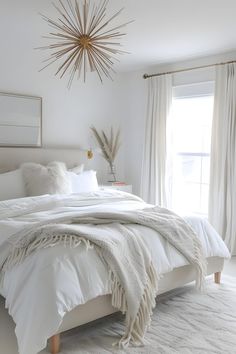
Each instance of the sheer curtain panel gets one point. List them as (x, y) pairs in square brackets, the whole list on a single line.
[(222, 196), (153, 183)]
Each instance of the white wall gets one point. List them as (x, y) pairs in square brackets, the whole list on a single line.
[(135, 90), (67, 114), (134, 98)]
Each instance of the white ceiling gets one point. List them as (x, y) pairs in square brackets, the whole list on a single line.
[(168, 31)]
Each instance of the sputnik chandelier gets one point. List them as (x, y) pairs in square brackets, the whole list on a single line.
[(84, 40)]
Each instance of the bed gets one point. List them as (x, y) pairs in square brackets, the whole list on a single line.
[(64, 287)]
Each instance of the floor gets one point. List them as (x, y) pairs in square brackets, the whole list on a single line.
[(8, 343)]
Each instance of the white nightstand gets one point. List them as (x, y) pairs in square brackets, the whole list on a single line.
[(124, 187)]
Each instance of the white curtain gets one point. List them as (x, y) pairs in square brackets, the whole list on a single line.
[(153, 183), (222, 196)]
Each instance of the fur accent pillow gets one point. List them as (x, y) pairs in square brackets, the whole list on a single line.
[(50, 179)]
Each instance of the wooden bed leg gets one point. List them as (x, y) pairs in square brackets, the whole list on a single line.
[(217, 277), (55, 344)]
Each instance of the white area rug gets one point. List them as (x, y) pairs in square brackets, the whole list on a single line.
[(184, 321)]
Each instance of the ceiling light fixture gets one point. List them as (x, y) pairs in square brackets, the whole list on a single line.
[(85, 40)]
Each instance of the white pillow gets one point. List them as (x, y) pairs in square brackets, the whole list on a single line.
[(50, 179), (12, 185), (77, 169), (83, 182)]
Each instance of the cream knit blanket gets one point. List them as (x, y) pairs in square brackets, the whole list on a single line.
[(133, 279)]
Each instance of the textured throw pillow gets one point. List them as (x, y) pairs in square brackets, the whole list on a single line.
[(83, 182), (12, 185), (50, 179)]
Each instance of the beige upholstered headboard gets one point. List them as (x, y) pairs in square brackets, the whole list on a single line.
[(11, 158)]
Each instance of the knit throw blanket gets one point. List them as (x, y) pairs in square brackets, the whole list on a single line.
[(133, 279)]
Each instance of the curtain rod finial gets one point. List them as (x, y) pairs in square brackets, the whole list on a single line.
[(145, 76)]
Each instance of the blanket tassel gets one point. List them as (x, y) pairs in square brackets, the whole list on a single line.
[(136, 327)]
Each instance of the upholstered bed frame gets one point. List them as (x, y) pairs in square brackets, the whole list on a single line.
[(12, 158), (101, 306)]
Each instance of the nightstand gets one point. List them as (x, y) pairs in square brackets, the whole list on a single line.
[(123, 187)]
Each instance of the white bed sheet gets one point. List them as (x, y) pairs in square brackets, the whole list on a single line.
[(53, 281)]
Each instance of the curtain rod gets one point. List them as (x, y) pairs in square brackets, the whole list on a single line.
[(147, 76)]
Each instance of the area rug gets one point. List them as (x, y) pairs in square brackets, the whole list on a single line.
[(184, 321)]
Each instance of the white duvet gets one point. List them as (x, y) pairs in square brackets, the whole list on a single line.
[(53, 281)]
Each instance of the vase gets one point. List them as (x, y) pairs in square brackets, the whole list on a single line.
[(112, 173)]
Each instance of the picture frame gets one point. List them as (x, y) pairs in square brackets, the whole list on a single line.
[(20, 120)]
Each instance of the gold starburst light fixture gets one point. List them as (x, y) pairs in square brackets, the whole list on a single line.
[(84, 39)]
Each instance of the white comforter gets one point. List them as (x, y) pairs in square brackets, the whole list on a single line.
[(54, 280)]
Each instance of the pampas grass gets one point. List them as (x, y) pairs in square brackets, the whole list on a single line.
[(109, 146)]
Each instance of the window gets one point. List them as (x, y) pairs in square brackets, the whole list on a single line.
[(190, 144)]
